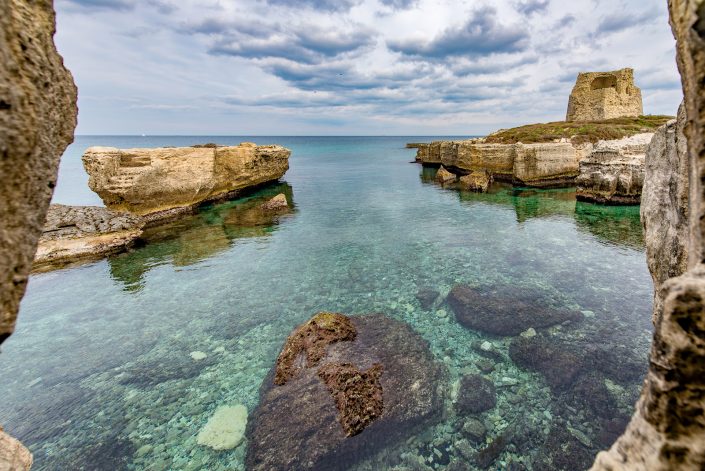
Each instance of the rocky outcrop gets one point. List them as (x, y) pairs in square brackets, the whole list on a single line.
[(74, 233), (444, 176), (159, 183), (613, 173), (667, 430), (604, 95), (541, 165), (356, 386), (475, 395), (478, 180), (13, 455), (505, 310), (664, 205), (37, 120)]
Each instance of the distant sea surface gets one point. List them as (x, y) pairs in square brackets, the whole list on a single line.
[(99, 374)]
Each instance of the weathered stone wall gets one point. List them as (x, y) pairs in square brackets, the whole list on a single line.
[(667, 430), (604, 95), (37, 119)]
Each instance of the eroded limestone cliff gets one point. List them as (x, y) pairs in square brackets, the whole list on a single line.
[(667, 430), (614, 171)]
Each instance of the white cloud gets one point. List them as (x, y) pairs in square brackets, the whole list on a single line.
[(356, 67)]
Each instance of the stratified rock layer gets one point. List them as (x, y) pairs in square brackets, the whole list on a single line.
[(37, 119), (667, 430), (297, 425), (540, 165), (83, 232), (158, 182), (604, 95), (614, 171)]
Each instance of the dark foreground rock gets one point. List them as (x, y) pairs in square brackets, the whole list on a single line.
[(302, 424), (505, 310), (476, 395)]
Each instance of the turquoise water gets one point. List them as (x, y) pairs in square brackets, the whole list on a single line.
[(99, 375)]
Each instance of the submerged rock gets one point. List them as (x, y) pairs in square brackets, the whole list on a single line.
[(304, 422), (13, 455), (476, 394), (277, 203), (426, 297), (444, 176), (226, 429), (505, 310), (84, 232), (163, 182), (559, 366)]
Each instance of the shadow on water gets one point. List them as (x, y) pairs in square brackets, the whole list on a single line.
[(212, 231), (613, 225)]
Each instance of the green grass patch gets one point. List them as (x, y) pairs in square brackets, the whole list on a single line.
[(579, 131)]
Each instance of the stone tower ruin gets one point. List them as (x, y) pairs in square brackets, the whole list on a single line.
[(604, 95)]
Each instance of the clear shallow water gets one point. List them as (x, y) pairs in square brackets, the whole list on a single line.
[(98, 374)]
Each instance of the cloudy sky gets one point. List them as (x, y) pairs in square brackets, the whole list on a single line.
[(341, 67)]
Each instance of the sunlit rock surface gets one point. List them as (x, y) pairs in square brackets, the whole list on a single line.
[(37, 119), (161, 182)]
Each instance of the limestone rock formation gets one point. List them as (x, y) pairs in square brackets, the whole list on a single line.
[(604, 95), (540, 165), (667, 430), (478, 180), (444, 176), (614, 171), (13, 455), (82, 232), (664, 204), (505, 310), (364, 392), (159, 182), (37, 119)]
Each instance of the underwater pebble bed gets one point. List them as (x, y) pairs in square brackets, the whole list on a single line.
[(101, 373)]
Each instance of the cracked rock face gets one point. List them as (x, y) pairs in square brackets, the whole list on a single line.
[(37, 119), (357, 385), (613, 173), (667, 430), (84, 232)]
